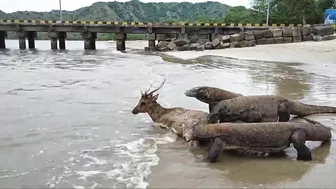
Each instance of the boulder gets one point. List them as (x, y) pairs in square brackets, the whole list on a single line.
[(258, 34), (183, 48), (172, 45), (277, 33), (261, 41), (270, 41), (225, 38), (297, 39), (208, 46), (328, 37), (268, 34), (249, 36), (296, 32), (202, 41), (243, 44), (317, 38), (216, 42), (223, 46), (287, 32), (323, 30), (181, 42), (251, 43), (288, 39), (235, 44), (162, 44), (236, 37), (193, 46), (307, 38), (163, 49), (278, 40), (200, 48), (306, 30)]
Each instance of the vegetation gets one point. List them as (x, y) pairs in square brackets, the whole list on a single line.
[(281, 11)]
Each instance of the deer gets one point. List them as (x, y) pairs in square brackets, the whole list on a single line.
[(179, 120)]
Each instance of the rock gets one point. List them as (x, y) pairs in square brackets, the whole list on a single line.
[(307, 38), (297, 39), (278, 40), (261, 41), (249, 36), (183, 48), (268, 34), (202, 41), (277, 33), (258, 34), (323, 30), (163, 49), (172, 45), (194, 38), (317, 38), (223, 46), (236, 37), (235, 44), (270, 41), (296, 32), (216, 42), (243, 44), (193, 46), (208, 46), (225, 38), (287, 32), (200, 48), (306, 30), (162, 44), (329, 37), (251, 43), (181, 42), (288, 39)]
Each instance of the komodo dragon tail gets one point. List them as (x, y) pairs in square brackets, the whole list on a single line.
[(301, 109)]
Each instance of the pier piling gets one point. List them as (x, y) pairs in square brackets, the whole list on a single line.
[(3, 35), (89, 40), (31, 39), (53, 40), (61, 40), (120, 38)]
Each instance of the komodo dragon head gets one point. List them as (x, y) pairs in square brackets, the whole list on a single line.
[(147, 100)]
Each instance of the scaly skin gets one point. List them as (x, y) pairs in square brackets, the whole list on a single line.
[(272, 137), (210, 95), (263, 108)]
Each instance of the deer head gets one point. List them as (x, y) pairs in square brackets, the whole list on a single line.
[(147, 100)]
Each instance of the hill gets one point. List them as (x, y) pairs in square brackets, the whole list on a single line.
[(131, 11)]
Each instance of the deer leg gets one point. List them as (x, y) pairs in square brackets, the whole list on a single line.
[(298, 140), (215, 150), (283, 112)]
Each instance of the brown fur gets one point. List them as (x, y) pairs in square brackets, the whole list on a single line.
[(176, 118)]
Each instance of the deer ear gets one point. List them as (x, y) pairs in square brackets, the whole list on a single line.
[(155, 97)]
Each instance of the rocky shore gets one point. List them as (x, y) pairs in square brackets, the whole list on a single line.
[(245, 39)]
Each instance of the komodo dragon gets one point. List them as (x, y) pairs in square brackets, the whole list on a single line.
[(262, 108), (210, 95), (271, 137)]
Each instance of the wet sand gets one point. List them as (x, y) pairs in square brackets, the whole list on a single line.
[(183, 167)]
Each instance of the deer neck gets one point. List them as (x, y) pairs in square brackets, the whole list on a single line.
[(156, 112)]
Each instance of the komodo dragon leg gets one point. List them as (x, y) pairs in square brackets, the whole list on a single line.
[(283, 112), (298, 140), (215, 150)]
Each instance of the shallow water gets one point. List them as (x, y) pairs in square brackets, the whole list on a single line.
[(66, 120)]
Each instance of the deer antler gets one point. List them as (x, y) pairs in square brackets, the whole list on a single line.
[(151, 93)]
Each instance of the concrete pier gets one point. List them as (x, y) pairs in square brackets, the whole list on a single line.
[(120, 38), (22, 39), (3, 35), (31, 39), (89, 40), (151, 37), (61, 40), (53, 40)]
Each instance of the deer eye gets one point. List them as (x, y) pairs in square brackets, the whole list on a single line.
[(143, 103)]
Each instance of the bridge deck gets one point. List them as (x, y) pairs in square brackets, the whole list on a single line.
[(127, 27)]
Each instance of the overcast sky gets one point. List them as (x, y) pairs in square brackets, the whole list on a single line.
[(47, 5)]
